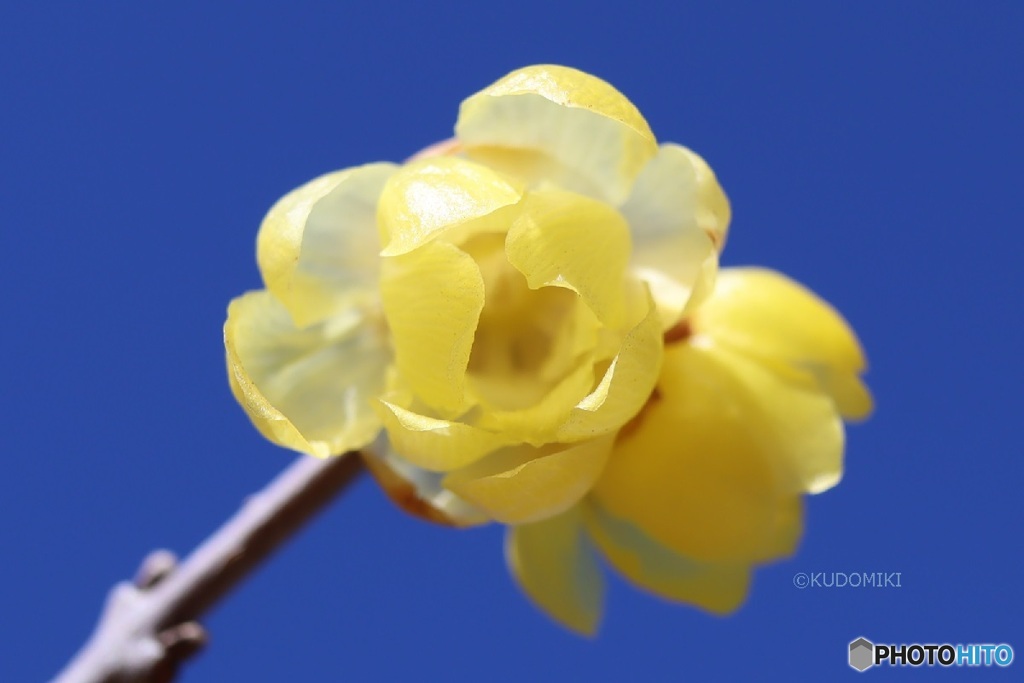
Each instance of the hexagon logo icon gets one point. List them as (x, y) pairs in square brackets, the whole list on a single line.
[(862, 654)]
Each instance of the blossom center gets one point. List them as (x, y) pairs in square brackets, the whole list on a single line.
[(521, 348)]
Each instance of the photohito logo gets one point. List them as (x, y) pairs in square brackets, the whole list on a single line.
[(864, 654)]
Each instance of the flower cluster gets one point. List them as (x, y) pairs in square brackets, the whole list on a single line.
[(528, 325)]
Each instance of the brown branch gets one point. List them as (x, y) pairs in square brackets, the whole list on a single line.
[(149, 627)]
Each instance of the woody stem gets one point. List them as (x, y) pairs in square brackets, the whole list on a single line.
[(148, 628)]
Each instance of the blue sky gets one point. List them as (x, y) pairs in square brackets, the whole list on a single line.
[(870, 150)]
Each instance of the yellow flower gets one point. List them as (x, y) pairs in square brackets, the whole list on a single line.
[(706, 482), (523, 325), (498, 308)]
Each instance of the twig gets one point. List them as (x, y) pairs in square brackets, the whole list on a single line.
[(149, 627)]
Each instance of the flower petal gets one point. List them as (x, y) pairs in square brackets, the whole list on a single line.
[(536, 169), (432, 300), (625, 386), (677, 213), (318, 245), (763, 312), (435, 444), (435, 195), (562, 239), (719, 587), (310, 389), (417, 491), (715, 213), (523, 484), (851, 395), (697, 470), (572, 118), (768, 316), (538, 424), (793, 412), (555, 565)]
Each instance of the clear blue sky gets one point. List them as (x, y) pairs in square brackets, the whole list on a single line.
[(871, 150)]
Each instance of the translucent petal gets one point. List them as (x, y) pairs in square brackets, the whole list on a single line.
[(429, 197), (537, 424), (719, 587), (318, 246), (534, 168), (523, 484), (625, 386), (310, 389), (699, 471), (676, 212), (555, 565), (714, 213), (436, 444), (563, 239), (432, 300), (580, 334), (419, 492), (576, 120)]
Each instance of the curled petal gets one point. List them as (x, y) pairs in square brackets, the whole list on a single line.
[(851, 395), (311, 389), (562, 239), (433, 196), (543, 117), (625, 386), (763, 312), (766, 315), (698, 472), (435, 444), (678, 213), (317, 247), (523, 484), (432, 300), (418, 491), (537, 424), (713, 210), (719, 587), (554, 563)]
